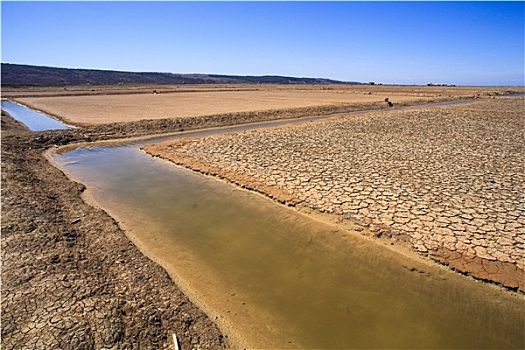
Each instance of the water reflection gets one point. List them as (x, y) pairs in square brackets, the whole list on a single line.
[(35, 121)]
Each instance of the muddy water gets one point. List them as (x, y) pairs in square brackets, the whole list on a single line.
[(282, 280), (35, 121)]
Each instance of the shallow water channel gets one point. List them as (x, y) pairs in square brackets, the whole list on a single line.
[(34, 120), (281, 279)]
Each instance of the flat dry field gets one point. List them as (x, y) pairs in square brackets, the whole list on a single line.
[(100, 105), (76, 90), (131, 107)]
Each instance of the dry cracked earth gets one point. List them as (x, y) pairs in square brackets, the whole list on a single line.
[(448, 180), (71, 279)]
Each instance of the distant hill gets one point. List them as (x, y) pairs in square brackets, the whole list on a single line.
[(18, 74)]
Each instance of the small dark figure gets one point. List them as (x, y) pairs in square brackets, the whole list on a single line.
[(390, 103), (386, 99)]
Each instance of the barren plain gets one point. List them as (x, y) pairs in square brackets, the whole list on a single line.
[(121, 108), (447, 180), (80, 107), (71, 279)]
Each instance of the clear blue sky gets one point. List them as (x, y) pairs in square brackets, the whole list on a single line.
[(464, 43)]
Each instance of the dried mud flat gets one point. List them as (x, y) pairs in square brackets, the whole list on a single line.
[(446, 180), (71, 279)]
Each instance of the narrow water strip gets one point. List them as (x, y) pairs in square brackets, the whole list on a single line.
[(34, 120), (281, 279)]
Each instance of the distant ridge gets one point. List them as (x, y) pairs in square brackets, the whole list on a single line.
[(19, 74)]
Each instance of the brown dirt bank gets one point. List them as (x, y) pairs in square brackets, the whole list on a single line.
[(71, 279), (444, 179), (489, 270)]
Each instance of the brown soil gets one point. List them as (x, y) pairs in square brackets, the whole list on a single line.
[(485, 250), (71, 278), (504, 273), (86, 110), (86, 90), (100, 106)]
